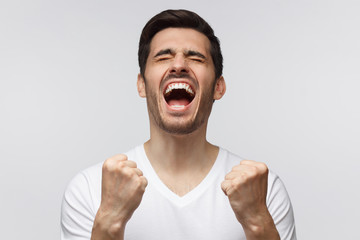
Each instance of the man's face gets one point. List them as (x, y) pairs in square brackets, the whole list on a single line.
[(179, 80)]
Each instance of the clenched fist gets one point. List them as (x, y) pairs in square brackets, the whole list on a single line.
[(246, 188), (123, 186)]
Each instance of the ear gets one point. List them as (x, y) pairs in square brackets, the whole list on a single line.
[(141, 86), (220, 88)]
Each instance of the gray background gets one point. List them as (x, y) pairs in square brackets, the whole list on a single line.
[(68, 100)]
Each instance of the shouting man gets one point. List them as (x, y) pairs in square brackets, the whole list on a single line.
[(177, 185)]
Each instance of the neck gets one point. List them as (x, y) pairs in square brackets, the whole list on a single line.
[(180, 161), (180, 153)]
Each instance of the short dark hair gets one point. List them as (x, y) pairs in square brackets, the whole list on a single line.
[(178, 19)]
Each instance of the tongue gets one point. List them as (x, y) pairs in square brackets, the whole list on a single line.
[(179, 102)]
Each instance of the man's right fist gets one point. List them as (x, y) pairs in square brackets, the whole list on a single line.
[(123, 186)]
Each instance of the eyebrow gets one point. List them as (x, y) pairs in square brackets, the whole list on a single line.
[(188, 53), (194, 53), (165, 52)]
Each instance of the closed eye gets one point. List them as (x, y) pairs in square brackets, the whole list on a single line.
[(162, 58), (197, 60), (164, 54), (196, 56)]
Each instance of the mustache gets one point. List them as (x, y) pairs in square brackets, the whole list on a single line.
[(174, 75), (181, 75)]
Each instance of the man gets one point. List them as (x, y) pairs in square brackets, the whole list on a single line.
[(177, 185)]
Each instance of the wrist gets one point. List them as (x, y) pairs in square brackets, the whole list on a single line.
[(260, 226), (106, 226), (101, 231)]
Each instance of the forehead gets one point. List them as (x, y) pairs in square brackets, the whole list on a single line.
[(180, 39)]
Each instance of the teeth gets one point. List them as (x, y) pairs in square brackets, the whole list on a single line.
[(185, 86), (190, 90), (178, 106)]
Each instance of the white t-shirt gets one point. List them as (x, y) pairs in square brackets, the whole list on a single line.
[(203, 213)]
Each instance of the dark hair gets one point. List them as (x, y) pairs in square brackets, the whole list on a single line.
[(178, 19)]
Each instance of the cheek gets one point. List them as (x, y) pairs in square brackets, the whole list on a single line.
[(206, 79), (155, 74)]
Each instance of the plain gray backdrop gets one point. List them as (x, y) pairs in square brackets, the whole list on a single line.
[(68, 100)]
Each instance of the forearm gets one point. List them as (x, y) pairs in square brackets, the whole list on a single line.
[(106, 229), (101, 233), (260, 228)]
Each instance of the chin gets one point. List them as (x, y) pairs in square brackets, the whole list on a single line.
[(180, 128)]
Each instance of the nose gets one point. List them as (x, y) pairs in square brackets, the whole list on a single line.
[(179, 65)]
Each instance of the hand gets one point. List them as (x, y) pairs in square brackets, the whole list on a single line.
[(246, 188), (123, 186)]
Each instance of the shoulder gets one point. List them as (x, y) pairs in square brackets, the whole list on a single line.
[(86, 177), (82, 191), (85, 186), (231, 159), (80, 203), (276, 188), (228, 159), (92, 174)]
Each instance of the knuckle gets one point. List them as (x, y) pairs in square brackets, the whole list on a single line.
[(139, 184), (252, 171), (108, 165), (228, 176), (237, 182), (223, 185), (139, 172), (246, 162), (121, 157), (120, 165), (128, 172), (144, 181), (114, 162), (132, 163), (263, 168), (136, 183)]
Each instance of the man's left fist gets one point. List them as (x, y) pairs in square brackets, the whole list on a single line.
[(246, 188)]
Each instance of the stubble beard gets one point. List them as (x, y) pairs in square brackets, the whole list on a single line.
[(180, 126)]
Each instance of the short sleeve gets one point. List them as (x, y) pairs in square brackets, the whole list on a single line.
[(280, 208), (77, 210)]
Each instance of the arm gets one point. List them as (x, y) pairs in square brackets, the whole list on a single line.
[(246, 188), (122, 188)]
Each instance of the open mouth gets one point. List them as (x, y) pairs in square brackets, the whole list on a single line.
[(179, 95)]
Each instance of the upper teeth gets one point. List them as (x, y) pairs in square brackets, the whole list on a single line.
[(185, 86)]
